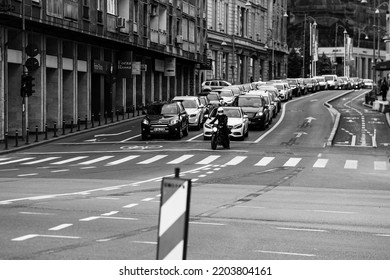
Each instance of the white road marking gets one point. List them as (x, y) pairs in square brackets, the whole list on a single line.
[(122, 160), (302, 229), (332, 212), (29, 236), (351, 164), (39, 160), (153, 159), (108, 198), (320, 163), (15, 160), (112, 134), (130, 205), (88, 167), (119, 218), (285, 253), (292, 162), (264, 161), (208, 160), (382, 235), (110, 213), (60, 170), (60, 227), (2, 159), (95, 160), (380, 165), (69, 160), (89, 219), (29, 174), (36, 213), (207, 224), (250, 207), (236, 160), (145, 242), (147, 199), (180, 159), (5, 170)]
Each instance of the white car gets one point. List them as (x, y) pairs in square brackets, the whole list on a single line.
[(237, 122), (194, 108), (285, 93), (228, 97)]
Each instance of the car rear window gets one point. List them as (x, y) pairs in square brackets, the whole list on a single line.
[(250, 101)]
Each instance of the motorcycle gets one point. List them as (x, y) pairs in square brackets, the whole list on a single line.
[(218, 137)]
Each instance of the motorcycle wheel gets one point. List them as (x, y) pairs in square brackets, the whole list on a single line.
[(213, 142)]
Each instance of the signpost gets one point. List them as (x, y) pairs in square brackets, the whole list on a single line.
[(173, 219)]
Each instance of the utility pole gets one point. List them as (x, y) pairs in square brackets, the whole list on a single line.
[(24, 103)]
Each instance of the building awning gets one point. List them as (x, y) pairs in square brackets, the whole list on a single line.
[(383, 66)]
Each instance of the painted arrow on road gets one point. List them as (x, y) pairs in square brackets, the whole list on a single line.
[(309, 119), (299, 134)]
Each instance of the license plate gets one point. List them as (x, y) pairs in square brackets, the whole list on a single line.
[(159, 129)]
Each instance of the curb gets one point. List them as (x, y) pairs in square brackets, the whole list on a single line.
[(42, 142)]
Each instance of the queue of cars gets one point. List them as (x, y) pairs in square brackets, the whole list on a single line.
[(247, 105)]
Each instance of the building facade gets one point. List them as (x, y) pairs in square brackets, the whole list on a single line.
[(247, 40), (94, 58)]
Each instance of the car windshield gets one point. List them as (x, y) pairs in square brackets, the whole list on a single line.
[(189, 103), (213, 96), (154, 109), (169, 109), (232, 113), (250, 101), (226, 94), (292, 82), (279, 87), (328, 78)]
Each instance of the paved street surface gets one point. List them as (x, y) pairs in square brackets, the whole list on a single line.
[(282, 193)]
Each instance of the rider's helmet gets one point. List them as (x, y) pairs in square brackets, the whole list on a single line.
[(220, 111)]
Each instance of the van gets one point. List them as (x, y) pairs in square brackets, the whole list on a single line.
[(332, 81)]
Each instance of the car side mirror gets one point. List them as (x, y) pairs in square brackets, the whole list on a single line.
[(245, 116), (206, 116)]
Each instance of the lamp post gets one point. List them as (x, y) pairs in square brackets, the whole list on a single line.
[(311, 42), (335, 48)]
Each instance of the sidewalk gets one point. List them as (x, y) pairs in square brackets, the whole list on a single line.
[(11, 143)]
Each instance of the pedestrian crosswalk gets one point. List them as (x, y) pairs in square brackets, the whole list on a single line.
[(197, 159)]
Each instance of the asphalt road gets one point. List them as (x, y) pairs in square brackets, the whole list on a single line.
[(280, 194)]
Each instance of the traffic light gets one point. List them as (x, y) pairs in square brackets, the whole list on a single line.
[(29, 85), (23, 87)]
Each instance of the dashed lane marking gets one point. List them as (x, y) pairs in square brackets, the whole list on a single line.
[(60, 227)]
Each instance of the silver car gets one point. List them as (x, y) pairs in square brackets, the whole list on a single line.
[(194, 108)]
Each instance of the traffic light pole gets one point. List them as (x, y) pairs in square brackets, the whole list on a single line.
[(24, 107)]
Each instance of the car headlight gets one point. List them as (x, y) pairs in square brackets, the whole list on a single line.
[(145, 121), (237, 126), (215, 129), (172, 122), (259, 114)]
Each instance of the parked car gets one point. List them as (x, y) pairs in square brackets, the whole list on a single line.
[(296, 89), (355, 82), (214, 84), (215, 99), (368, 83), (310, 85), (166, 119), (195, 110), (205, 101), (346, 82), (322, 82), (302, 85), (255, 107), (228, 97), (237, 122), (237, 89), (285, 93), (274, 91), (332, 81)]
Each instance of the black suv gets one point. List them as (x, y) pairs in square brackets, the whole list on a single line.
[(255, 107), (166, 119)]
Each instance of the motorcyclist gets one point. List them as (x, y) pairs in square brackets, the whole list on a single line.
[(222, 121)]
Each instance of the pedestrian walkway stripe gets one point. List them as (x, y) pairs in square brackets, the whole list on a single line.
[(15, 161), (69, 160), (122, 160), (95, 160), (40, 160), (180, 159), (236, 160), (380, 165), (3, 159), (264, 161), (320, 163), (292, 162), (351, 164), (208, 160), (153, 159)]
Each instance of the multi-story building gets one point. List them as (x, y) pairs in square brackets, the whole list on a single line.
[(91, 58), (353, 34), (247, 39)]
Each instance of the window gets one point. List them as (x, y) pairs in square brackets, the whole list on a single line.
[(112, 7), (71, 8), (100, 5), (54, 8)]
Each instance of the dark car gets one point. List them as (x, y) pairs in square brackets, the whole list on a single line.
[(310, 85), (165, 119), (215, 99), (295, 87), (254, 106)]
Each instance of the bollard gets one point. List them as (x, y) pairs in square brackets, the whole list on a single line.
[(99, 119), (105, 117), (86, 122), (92, 122), (133, 111), (63, 127), (112, 116), (45, 131), (27, 136), (55, 130), (117, 115), (71, 125), (128, 112), (78, 124), (123, 111), (6, 141), (16, 138), (36, 134), (137, 110)]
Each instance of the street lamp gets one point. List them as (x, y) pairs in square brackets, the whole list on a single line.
[(270, 40), (311, 42), (335, 46)]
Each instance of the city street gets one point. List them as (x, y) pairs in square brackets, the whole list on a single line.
[(282, 193)]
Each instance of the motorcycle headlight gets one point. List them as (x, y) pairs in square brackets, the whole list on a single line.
[(145, 121), (215, 129), (172, 122)]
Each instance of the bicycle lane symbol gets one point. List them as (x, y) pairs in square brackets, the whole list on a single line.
[(137, 148)]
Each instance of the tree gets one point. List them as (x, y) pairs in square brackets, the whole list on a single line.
[(294, 64), (324, 65)]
